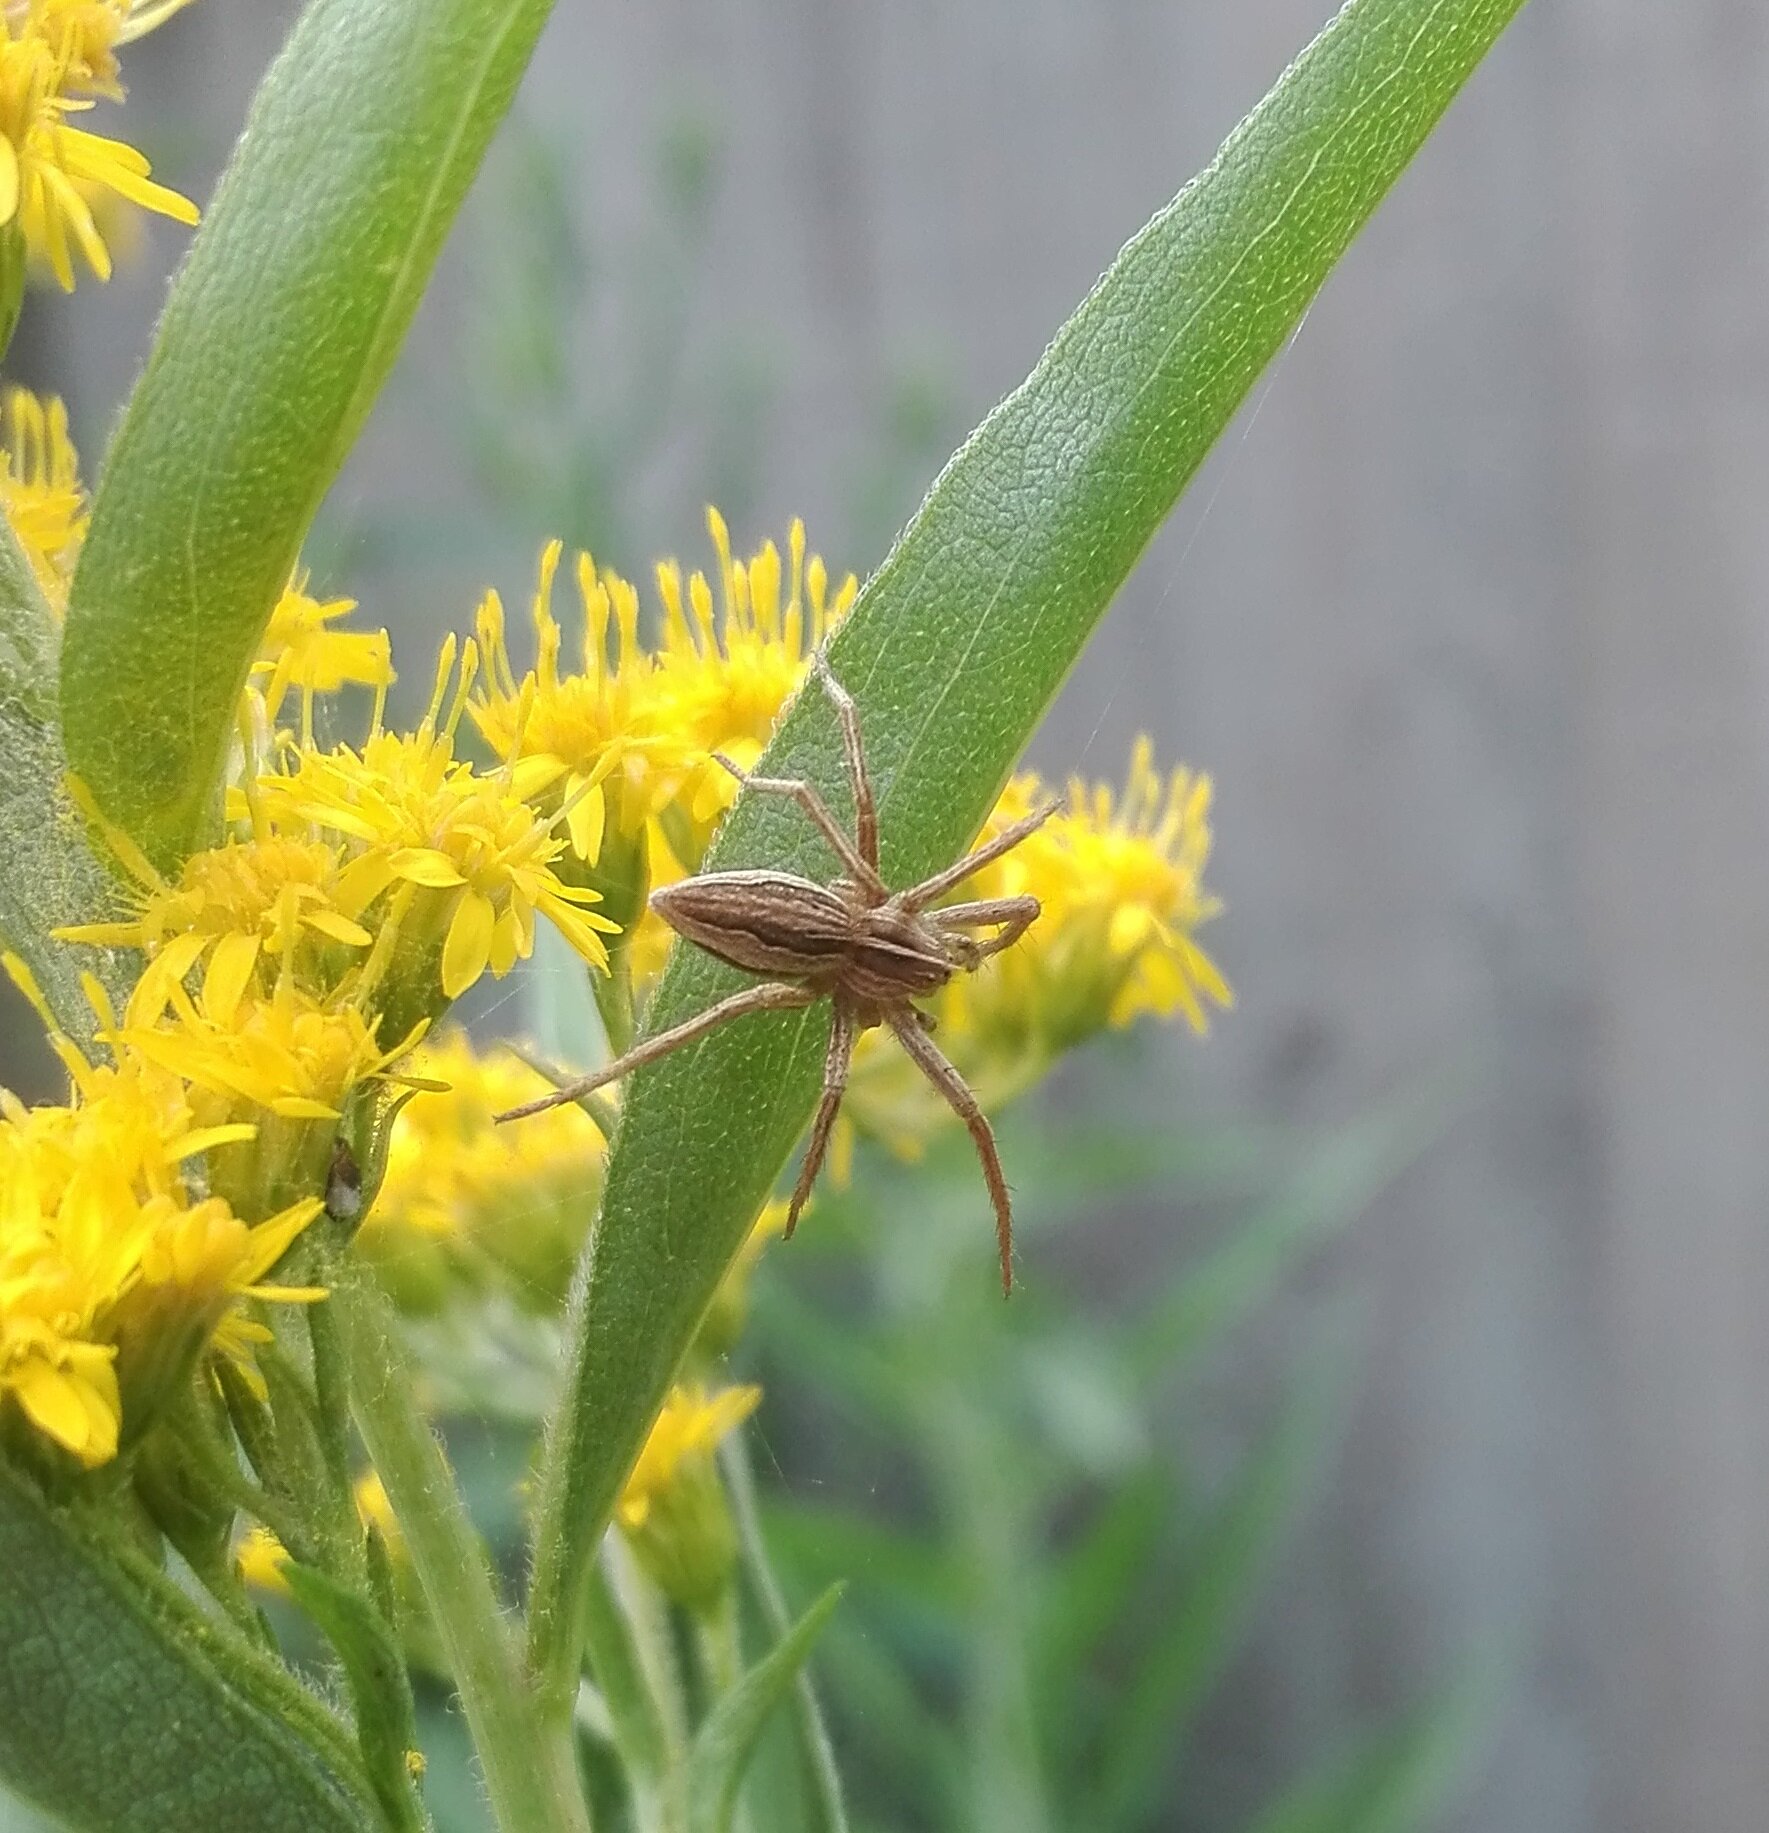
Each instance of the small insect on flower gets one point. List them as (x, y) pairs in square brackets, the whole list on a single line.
[(869, 950)]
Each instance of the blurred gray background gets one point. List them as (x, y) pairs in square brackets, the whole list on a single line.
[(1465, 616)]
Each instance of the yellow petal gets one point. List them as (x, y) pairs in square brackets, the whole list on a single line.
[(229, 973), (423, 865), (468, 945), (506, 942), (586, 815), (339, 928), (54, 1404), (8, 180)]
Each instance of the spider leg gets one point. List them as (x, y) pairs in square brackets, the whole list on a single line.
[(863, 872), (835, 1084), (926, 1057), (1013, 915), (848, 717), (770, 996), (930, 890)]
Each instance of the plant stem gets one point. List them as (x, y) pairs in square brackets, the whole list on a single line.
[(530, 1777)]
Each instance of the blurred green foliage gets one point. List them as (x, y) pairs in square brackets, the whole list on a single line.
[(1052, 1562)]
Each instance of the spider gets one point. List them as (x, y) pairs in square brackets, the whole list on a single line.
[(870, 950)]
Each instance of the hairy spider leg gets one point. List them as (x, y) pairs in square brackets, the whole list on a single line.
[(1015, 915), (848, 718), (770, 996), (926, 1056), (835, 1083), (861, 870), (930, 890)]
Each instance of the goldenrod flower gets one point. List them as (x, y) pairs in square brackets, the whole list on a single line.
[(88, 32), (116, 1266), (45, 164), (729, 1310), (236, 900), (290, 1054), (479, 862), (723, 679), (672, 1506), (1119, 877), (300, 649), (592, 736), (260, 1556), (40, 489), (464, 1201)]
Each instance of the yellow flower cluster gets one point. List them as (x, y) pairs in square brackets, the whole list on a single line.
[(117, 1268), (466, 1204), (57, 57), (620, 745), (1119, 878)]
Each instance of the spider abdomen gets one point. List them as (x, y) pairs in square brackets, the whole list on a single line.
[(764, 922)]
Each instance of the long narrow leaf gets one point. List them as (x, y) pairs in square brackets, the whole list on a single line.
[(278, 335), (953, 652), (725, 1743)]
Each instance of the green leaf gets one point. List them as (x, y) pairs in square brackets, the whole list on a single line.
[(279, 332), (953, 652), (380, 1688), (724, 1744), (48, 874), (122, 1705)]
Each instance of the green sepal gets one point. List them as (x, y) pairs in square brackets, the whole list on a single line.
[(124, 1705), (380, 1687)]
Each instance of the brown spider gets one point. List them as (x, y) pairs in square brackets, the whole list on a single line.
[(871, 950)]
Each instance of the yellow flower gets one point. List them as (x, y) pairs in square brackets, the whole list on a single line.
[(299, 649), (478, 861), (689, 1428), (1120, 881), (672, 1507), (464, 1200), (45, 164), (592, 737), (117, 1267), (88, 33), (723, 680), (260, 1556), (290, 1054), (238, 900), (40, 489)]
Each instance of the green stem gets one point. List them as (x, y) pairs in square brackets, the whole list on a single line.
[(614, 1001), (822, 1779), (530, 1777)]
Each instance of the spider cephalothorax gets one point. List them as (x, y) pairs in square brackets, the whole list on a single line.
[(868, 949)]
